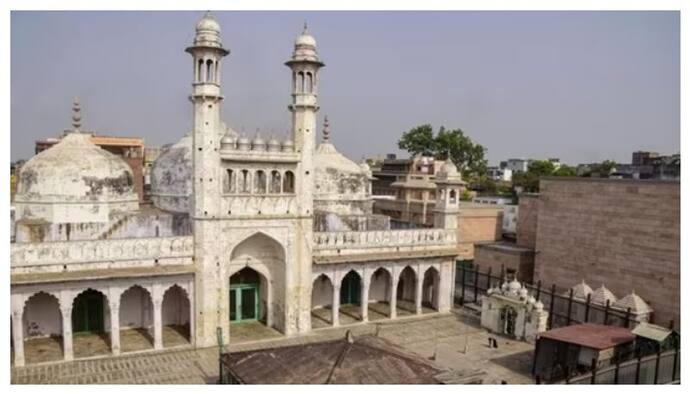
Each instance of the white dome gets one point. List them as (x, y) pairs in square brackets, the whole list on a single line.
[(171, 177), (581, 290), (634, 302), (75, 170), (514, 286), (208, 23), (305, 39), (449, 169), (601, 295)]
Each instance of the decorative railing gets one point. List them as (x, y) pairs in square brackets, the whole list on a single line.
[(49, 253), (386, 238)]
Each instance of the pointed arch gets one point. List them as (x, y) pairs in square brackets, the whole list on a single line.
[(431, 288), (176, 316), (259, 246)]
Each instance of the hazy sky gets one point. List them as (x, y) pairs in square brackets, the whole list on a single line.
[(581, 86)]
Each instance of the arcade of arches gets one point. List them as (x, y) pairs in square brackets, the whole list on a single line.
[(59, 324), (339, 302)]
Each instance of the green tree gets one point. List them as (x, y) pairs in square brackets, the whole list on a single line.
[(603, 169), (418, 141), (565, 170), (453, 144)]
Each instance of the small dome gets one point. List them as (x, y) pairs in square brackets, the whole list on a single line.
[(208, 23), (273, 145), (523, 292), (305, 39), (288, 145), (539, 306), (171, 177), (227, 142), (514, 286), (531, 300), (243, 143), (449, 169), (364, 166), (601, 295), (258, 143), (504, 286), (636, 304), (581, 290)]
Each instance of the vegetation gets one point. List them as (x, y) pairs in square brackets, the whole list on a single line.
[(447, 144), (529, 181)]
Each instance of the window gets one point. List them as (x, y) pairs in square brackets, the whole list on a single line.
[(230, 182), (274, 187), (260, 182), (289, 182), (453, 196), (245, 182)]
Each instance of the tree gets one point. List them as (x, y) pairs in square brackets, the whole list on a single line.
[(603, 169), (529, 181), (418, 141), (565, 170), (453, 144)]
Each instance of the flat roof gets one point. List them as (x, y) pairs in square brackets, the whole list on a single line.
[(594, 336)]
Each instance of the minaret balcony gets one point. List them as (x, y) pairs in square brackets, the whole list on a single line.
[(258, 156)]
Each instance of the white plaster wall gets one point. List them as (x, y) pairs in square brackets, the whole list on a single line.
[(379, 289), (136, 309), (175, 309), (322, 292), (407, 285), (42, 316)]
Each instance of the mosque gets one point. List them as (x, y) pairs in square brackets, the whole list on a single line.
[(243, 233)]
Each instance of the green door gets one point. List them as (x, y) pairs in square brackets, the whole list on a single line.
[(87, 315), (350, 290), (244, 302)]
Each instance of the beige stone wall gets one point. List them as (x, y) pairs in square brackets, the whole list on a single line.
[(487, 256), (622, 233), (527, 220), (477, 223)]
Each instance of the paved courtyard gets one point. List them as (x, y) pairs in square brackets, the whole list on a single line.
[(453, 341)]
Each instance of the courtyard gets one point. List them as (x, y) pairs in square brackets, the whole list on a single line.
[(453, 341)]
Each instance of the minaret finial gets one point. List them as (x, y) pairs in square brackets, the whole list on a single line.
[(326, 130), (306, 28), (76, 115)]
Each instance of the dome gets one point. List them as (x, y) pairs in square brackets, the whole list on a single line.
[(208, 24), (273, 145), (514, 286), (581, 290), (539, 306), (305, 39), (523, 292), (288, 145), (636, 304), (171, 177), (601, 295), (258, 143), (75, 170), (449, 169), (227, 142), (243, 143)]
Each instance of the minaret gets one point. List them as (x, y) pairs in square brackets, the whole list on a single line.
[(305, 65), (449, 185), (207, 52)]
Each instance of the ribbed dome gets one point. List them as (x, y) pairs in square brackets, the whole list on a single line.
[(208, 23), (581, 290), (601, 295), (171, 177), (75, 170), (636, 304)]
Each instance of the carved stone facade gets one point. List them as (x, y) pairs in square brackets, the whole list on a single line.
[(511, 310), (232, 235)]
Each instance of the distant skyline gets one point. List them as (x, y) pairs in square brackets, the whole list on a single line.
[(580, 86)]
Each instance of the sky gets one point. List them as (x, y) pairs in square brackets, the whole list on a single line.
[(579, 86)]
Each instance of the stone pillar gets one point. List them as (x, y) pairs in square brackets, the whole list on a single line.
[(365, 301), (191, 296), (115, 327), (157, 324), (418, 294), (393, 303), (18, 338), (67, 333), (335, 305)]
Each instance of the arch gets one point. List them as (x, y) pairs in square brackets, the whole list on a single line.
[(176, 316), (289, 182), (380, 284), (406, 285), (452, 196), (431, 288), (309, 83), (136, 319), (230, 181), (42, 325), (209, 70), (274, 186), (322, 301), (351, 289), (245, 181), (216, 74), (249, 296), (200, 71), (260, 182), (266, 256), (90, 310), (300, 82)]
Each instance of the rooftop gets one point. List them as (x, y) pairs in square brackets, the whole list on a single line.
[(594, 336)]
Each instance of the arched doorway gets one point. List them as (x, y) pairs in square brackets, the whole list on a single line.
[(508, 318), (322, 302), (256, 291), (136, 320), (430, 289), (350, 298), (176, 315), (42, 322), (405, 294), (246, 297), (89, 311), (380, 294)]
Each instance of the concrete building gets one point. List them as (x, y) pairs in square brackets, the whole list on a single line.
[(277, 234), (500, 174), (515, 165)]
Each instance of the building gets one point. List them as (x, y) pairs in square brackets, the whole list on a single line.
[(391, 170), (500, 174), (642, 158), (516, 165), (130, 149), (233, 235)]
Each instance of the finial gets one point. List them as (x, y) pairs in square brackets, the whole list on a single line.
[(207, 14), (306, 28), (76, 115), (326, 131)]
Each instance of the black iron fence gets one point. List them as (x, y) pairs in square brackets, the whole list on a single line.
[(659, 368), (563, 308)]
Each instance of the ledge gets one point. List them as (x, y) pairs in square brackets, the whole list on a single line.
[(353, 258), (56, 277)]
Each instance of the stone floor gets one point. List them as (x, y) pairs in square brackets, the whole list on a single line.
[(351, 314), (453, 341)]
